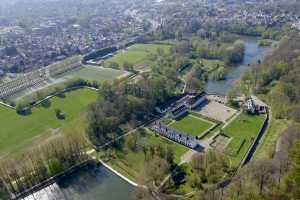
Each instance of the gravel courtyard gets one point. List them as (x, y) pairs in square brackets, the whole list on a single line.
[(216, 111)]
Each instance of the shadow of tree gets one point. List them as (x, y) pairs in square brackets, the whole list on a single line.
[(25, 112), (46, 104), (61, 95)]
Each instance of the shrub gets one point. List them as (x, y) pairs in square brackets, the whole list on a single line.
[(59, 114)]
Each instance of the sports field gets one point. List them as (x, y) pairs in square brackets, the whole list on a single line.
[(242, 131), (131, 164), (192, 125), (98, 74), (138, 54), (18, 132)]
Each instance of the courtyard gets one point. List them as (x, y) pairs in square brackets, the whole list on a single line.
[(192, 125), (216, 110)]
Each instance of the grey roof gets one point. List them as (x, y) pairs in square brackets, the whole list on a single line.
[(257, 101)]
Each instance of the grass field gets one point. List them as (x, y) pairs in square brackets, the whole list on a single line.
[(132, 163), (192, 125), (20, 132), (137, 54), (220, 142), (212, 64), (242, 131), (273, 132), (166, 121), (93, 73)]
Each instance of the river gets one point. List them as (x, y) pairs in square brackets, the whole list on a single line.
[(96, 183), (253, 53)]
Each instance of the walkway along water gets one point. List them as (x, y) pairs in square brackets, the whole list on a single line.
[(89, 182)]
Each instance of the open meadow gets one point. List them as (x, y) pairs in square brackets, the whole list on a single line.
[(242, 131), (138, 54), (18, 132), (98, 74), (211, 64)]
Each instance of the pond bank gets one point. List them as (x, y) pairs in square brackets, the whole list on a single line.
[(89, 182), (253, 53), (52, 180)]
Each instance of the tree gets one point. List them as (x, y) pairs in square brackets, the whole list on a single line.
[(59, 114), (22, 109), (143, 194), (128, 66), (161, 151), (170, 155), (263, 170), (132, 142), (195, 79), (197, 162), (295, 113), (219, 74), (235, 53), (4, 194), (179, 35), (114, 65), (294, 174), (155, 170)]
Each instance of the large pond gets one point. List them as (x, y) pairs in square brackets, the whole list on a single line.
[(253, 53), (87, 184)]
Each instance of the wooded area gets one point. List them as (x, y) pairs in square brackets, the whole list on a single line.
[(40, 163)]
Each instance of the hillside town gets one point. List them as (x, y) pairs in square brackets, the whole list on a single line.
[(24, 46)]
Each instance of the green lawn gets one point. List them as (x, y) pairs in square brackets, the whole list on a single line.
[(18, 132), (131, 164), (166, 121), (137, 54), (243, 128), (210, 64), (93, 73), (191, 125), (273, 132)]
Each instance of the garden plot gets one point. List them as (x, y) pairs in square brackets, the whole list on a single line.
[(220, 142)]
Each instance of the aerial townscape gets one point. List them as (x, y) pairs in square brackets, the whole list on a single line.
[(149, 99)]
